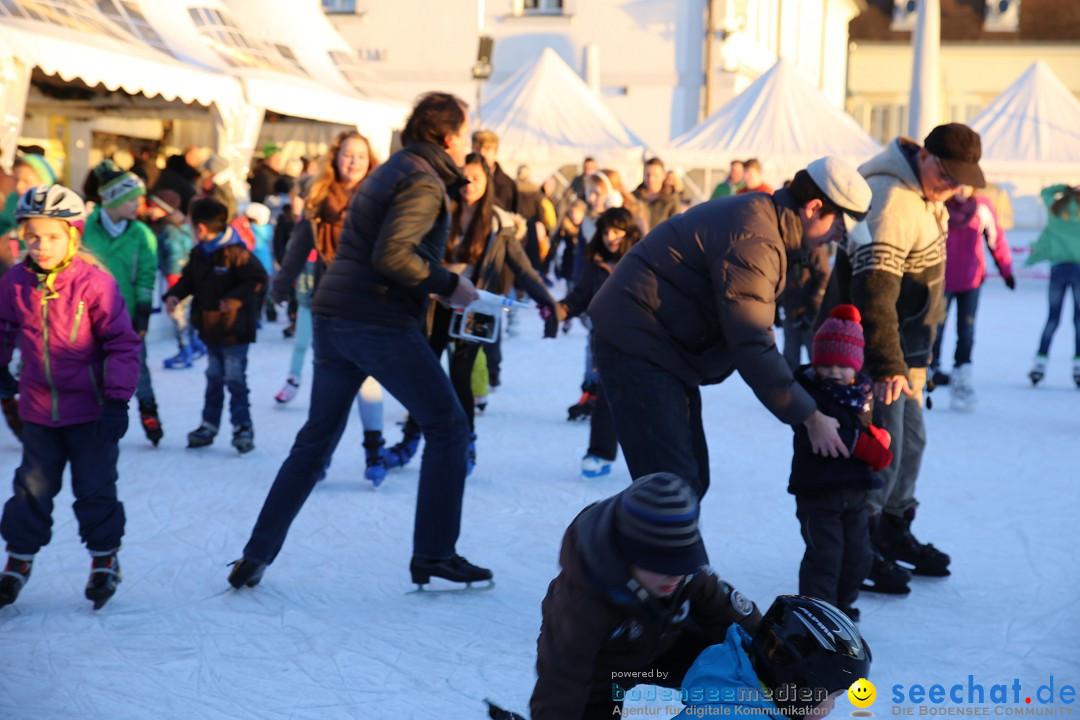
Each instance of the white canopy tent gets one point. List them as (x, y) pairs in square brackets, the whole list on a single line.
[(782, 120), (206, 32), (300, 29), (1031, 139), (546, 117), (81, 44)]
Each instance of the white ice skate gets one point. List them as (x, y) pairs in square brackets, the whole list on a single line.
[(289, 390), (1038, 370), (961, 389)]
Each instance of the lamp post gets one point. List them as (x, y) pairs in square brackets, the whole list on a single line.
[(481, 69)]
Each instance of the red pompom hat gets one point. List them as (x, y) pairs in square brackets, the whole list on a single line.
[(839, 340)]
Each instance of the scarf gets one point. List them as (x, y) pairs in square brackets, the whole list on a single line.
[(115, 229), (328, 221), (856, 396)]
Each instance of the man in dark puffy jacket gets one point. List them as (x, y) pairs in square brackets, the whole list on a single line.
[(696, 300), (368, 315)]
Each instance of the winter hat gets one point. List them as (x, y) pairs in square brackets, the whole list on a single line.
[(270, 149), (842, 183), (117, 186), (215, 164), (167, 200), (839, 340), (40, 166), (257, 213), (656, 525)]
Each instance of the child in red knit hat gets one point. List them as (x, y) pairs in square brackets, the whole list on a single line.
[(830, 493)]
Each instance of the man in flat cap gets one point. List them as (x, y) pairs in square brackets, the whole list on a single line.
[(696, 300), (892, 268)]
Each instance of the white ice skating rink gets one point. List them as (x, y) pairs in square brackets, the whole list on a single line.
[(331, 633)]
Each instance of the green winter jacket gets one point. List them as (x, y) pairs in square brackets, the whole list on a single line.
[(1060, 239), (131, 259)]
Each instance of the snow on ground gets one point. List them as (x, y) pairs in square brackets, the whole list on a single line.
[(331, 632)]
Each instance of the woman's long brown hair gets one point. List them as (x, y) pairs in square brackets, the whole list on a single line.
[(475, 237), (328, 171)]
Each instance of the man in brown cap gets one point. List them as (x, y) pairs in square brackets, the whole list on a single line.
[(892, 268)]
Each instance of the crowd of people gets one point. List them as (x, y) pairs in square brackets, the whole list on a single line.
[(373, 260)]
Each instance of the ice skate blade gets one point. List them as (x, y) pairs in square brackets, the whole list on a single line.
[(470, 588)]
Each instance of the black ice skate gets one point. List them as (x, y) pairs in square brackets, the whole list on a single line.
[(104, 577), (497, 713), (893, 539), (148, 414), (583, 409), (887, 577), (15, 575), (246, 573), (243, 438), (455, 569), (202, 436)]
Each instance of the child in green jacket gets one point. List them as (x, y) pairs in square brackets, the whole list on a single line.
[(128, 250)]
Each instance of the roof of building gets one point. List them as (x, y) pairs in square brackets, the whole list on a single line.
[(962, 21)]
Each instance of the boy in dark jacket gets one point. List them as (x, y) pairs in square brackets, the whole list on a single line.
[(830, 493), (227, 283), (633, 602)]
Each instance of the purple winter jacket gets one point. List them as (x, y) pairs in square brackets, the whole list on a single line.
[(970, 221), (78, 347)]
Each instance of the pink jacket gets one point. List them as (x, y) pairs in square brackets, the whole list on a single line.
[(970, 221), (78, 348)]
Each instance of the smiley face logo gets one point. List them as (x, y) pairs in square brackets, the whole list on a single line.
[(862, 693)]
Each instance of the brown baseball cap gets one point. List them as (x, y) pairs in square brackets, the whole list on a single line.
[(959, 149)]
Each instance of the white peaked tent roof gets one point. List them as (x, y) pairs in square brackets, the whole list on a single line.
[(546, 117), (781, 119), (1033, 126), (91, 48)]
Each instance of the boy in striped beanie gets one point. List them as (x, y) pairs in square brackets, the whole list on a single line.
[(830, 492), (128, 250), (634, 603)]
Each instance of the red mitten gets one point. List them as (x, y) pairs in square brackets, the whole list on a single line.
[(872, 451), (881, 434)]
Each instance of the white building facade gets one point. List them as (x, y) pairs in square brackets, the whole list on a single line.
[(648, 59)]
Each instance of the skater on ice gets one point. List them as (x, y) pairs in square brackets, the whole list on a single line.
[(80, 366)]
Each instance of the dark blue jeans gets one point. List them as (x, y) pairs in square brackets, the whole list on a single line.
[(27, 521), (657, 417), (967, 304), (1063, 276), (227, 366), (346, 352)]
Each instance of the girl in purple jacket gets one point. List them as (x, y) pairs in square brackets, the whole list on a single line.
[(80, 363), (972, 224)]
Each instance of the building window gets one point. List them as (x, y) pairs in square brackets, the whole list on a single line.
[(128, 14), (62, 13), (223, 34), (554, 7), (1002, 16), (339, 7)]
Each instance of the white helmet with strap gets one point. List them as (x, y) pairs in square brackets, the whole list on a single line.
[(50, 201)]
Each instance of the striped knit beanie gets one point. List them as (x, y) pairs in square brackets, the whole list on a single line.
[(839, 340), (40, 166), (116, 186), (656, 525)]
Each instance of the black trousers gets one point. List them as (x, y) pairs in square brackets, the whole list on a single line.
[(838, 554)]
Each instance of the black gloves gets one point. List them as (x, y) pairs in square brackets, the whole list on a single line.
[(113, 422), (1010, 282), (142, 318)]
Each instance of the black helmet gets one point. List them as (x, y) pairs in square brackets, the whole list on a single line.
[(804, 642)]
